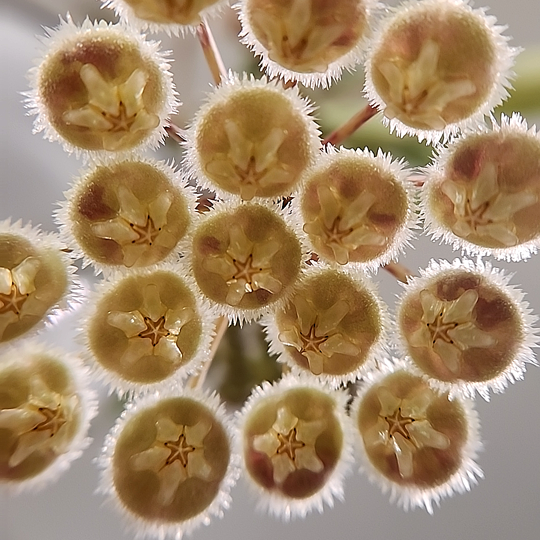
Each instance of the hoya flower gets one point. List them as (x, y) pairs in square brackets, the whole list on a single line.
[(171, 16), (127, 214), (333, 327), (45, 410), (101, 89), (245, 258), (311, 41), (437, 66), (295, 442), (357, 207), (35, 279), (483, 192), (168, 464), (252, 138), (147, 327), (465, 329), (414, 441)]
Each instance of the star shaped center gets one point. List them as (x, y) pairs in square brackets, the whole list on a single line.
[(179, 451), (155, 330), (13, 301), (397, 423)]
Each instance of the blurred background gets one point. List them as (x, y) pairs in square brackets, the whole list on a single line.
[(33, 175)]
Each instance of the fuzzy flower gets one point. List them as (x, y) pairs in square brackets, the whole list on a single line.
[(35, 278), (45, 410), (101, 89), (295, 439), (253, 139), (310, 41), (483, 191), (357, 207), (126, 214), (465, 329), (414, 441), (170, 16), (245, 258), (333, 327), (168, 464), (146, 328), (437, 66)]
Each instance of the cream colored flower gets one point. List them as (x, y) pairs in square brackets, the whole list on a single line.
[(418, 92), (251, 165), (137, 227), (245, 266), (482, 209), (448, 327), (41, 423), (316, 334), (152, 330), (402, 427), (114, 110), (176, 454), (290, 444), (344, 225)]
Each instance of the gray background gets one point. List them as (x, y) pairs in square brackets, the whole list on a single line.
[(33, 175)]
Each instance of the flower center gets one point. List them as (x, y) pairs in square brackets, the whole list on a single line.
[(147, 233), (180, 451), (13, 301), (397, 423), (289, 444), (155, 330)]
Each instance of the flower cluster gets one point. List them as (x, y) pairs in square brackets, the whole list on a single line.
[(293, 233)]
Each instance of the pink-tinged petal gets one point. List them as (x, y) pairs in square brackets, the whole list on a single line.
[(87, 117), (506, 205), (152, 459), (297, 21), (449, 354), (442, 93), (395, 79), (460, 310), (136, 349), (306, 458), (330, 205), (131, 322), (23, 275), (8, 318), (144, 121), (330, 318), (377, 434), (27, 444), (103, 95), (423, 69), (468, 335), (502, 232), (455, 192), (267, 443), (314, 228), (41, 394), (364, 236), (133, 252), (423, 434), (248, 191), (221, 167), (152, 306), (283, 466), (274, 176), (170, 477), (166, 239), (219, 265), (463, 229), (341, 254), (197, 466), (291, 339)]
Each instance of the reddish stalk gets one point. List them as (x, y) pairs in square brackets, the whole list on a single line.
[(354, 123), (211, 53)]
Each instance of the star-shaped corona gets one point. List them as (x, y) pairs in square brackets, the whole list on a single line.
[(414, 440), (176, 455)]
